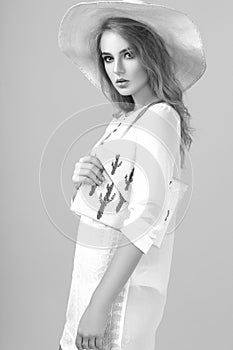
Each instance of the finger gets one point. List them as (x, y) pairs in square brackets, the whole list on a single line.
[(92, 343), (99, 342), (87, 174), (100, 173), (85, 342), (87, 179), (96, 172), (93, 160), (78, 341), (77, 184), (89, 167)]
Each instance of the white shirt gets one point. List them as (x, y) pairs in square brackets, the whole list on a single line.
[(157, 134)]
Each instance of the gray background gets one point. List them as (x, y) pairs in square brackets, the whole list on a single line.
[(40, 88)]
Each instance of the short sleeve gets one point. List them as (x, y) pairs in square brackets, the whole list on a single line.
[(157, 137)]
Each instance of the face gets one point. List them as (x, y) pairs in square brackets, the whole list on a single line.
[(121, 62)]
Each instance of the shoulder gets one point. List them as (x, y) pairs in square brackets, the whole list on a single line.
[(160, 121), (159, 113)]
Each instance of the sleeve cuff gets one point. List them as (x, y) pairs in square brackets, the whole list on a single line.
[(143, 243)]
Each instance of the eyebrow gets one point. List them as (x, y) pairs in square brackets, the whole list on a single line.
[(122, 51)]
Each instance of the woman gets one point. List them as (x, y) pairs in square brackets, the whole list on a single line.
[(118, 294)]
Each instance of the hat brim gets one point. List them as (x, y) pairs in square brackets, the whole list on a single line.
[(181, 36)]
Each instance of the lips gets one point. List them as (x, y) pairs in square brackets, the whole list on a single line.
[(121, 80)]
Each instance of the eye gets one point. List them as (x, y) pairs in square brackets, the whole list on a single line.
[(105, 58), (127, 53), (130, 53)]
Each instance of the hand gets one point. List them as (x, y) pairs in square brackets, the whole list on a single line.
[(91, 327), (88, 170)]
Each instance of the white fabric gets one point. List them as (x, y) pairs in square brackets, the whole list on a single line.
[(137, 311), (158, 139), (153, 143), (138, 167)]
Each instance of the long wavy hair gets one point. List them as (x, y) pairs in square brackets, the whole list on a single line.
[(151, 50)]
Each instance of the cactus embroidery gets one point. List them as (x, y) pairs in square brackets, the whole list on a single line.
[(93, 187), (121, 201), (129, 180), (116, 165), (167, 215), (104, 201), (92, 190)]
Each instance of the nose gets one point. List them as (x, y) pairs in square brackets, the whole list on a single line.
[(118, 66)]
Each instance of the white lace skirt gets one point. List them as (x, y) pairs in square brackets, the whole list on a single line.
[(136, 312)]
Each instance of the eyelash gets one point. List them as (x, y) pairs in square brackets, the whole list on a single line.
[(127, 53)]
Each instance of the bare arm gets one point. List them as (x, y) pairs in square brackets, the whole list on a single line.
[(118, 272)]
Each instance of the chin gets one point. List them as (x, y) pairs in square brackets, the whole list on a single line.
[(124, 92)]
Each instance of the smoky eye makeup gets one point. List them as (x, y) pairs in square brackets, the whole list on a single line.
[(105, 57)]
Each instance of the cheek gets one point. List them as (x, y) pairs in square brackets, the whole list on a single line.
[(140, 76), (106, 69), (138, 71), (142, 72), (109, 71)]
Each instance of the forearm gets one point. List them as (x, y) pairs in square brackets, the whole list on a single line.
[(118, 272)]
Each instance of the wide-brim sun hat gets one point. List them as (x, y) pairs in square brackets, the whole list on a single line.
[(181, 36)]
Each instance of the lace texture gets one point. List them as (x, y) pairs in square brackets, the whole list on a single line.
[(89, 267)]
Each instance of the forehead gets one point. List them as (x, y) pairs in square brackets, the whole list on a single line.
[(112, 42)]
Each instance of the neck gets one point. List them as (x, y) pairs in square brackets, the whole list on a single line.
[(137, 107), (153, 99), (144, 96)]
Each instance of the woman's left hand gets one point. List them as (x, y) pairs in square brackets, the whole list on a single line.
[(91, 327)]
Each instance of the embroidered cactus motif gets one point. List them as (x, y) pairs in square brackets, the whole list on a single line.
[(105, 200), (93, 187), (116, 165), (167, 215), (121, 201), (129, 180), (92, 190)]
